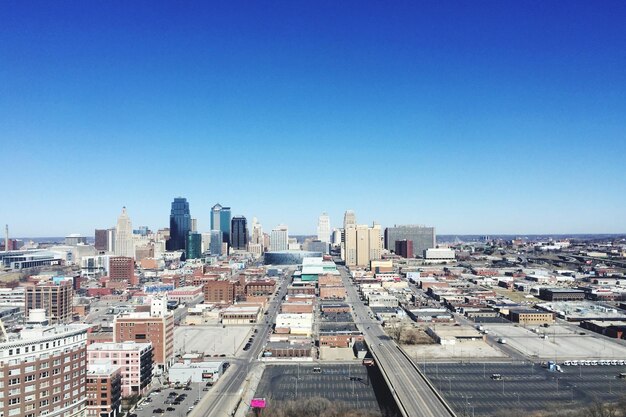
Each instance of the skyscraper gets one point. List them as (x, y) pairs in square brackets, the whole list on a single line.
[(124, 245), (257, 232), (215, 247), (239, 233), (279, 239), (180, 224), (323, 228), (101, 242), (220, 220), (362, 244), (194, 245), (349, 219)]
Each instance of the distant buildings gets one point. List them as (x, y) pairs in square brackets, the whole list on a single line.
[(239, 233), (122, 271), (102, 240), (257, 232), (215, 247), (220, 220), (404, 248), (180, 224), (361, 244), (55, 298), (124, 245), (323, 228), (422, 237), (279, 239), (194, 245), (75, 239)]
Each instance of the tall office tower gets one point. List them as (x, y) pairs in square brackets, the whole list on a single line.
[(215, 246), (423, 237), (206, 241), (257, 232), (101, 243), (323, 228), (111, 240), (220, 220), (194, 245), (56, 298), (349, 246), (194, 225), (375, 242), (180, 224), (279, 239), (349, 221), (239, 233), (362, 245), (44, 370), (335, 237), (124, 245)]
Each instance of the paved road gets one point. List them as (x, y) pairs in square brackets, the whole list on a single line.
[(414, 396), (222, 399)]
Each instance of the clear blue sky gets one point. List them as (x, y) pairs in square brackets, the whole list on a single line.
[(472, 116)]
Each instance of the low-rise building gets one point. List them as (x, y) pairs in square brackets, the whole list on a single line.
[(531, 316), (561, 294), (240, 314), (135, 359), (188, 371)]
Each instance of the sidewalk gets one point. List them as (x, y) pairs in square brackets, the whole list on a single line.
[(249, 389)]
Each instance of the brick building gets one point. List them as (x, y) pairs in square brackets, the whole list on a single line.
[(219, 291), (104, 390), (122, 270), (55, 297), (404, 248), (264, 287), (135, 359), (332, 293), (145, 327), (44, 371)]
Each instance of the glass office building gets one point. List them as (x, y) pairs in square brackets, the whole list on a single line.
[(180, 224)]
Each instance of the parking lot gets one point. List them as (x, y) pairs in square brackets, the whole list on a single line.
[(349, 384), (157, 401), (211, 340), (470, 389), (561, 342)]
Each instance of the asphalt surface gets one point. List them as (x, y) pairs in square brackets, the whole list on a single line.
[(225, 394), (412, 392), (348, 384), (471, 391), (157, 401)]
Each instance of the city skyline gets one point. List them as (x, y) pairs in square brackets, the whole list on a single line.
[(500, 118)]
